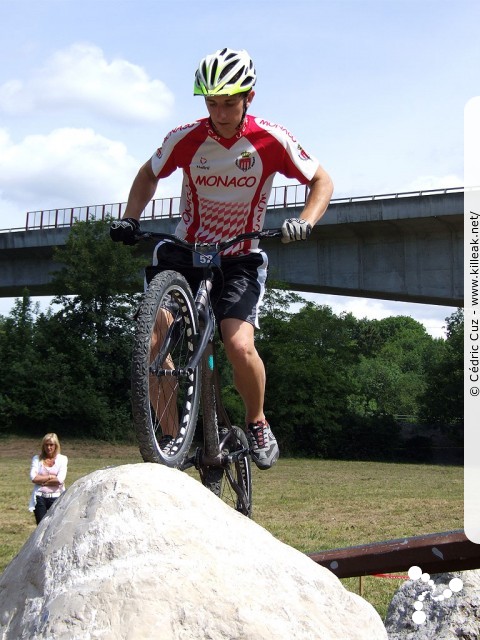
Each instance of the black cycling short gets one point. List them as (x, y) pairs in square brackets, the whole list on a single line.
[(237, 290)]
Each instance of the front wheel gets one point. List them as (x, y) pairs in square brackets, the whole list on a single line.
[(165, 394), (233, 483)]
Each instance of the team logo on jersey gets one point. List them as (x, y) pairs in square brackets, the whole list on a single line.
[(203, 164), (302, 154), (159, 152), (245, 161)]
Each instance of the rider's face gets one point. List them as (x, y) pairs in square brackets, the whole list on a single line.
[(226, 112)]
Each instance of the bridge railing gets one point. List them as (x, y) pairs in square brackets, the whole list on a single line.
[(286, 196), (160, 208)]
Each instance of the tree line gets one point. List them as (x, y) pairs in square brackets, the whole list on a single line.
[(336, 385)]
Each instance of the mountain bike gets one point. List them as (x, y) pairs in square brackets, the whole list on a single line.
[(174, 371)]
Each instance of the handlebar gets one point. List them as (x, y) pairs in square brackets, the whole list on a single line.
[(216, 246)]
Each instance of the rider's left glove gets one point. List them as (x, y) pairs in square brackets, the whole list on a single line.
[(295, 229), (124, 230)]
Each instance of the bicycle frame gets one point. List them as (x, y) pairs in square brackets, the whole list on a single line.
[(214, 414)]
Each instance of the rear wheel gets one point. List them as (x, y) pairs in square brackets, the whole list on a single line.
[(233, 484), (165, 396)]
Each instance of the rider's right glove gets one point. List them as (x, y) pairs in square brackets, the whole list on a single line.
[(295, 229), (124, 230)]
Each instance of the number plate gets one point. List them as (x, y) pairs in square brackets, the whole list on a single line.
[(206, 258)]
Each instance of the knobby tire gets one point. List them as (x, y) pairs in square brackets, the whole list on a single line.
[(164, 404)]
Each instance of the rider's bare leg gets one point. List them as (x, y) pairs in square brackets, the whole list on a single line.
[(163, 391), (248, 367)]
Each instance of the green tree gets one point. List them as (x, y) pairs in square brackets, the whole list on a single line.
[(442, 400), (391, 372), (307, 356), (69, 369), (92, 332), (17, 365)]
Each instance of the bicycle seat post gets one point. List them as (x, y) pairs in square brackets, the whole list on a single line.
[(203, 294), (201, 299)]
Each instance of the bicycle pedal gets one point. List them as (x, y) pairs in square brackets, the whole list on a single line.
[(235, 456)]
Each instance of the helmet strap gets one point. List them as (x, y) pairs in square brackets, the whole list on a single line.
[(240, 124)]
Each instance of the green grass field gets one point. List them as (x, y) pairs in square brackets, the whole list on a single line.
[(311, 505)]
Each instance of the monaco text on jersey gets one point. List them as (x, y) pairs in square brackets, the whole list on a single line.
[(226, 181)]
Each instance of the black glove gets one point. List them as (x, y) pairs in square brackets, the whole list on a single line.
[(295, 229), (124, 230)]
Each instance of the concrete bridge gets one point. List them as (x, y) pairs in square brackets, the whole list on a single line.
[(405, 246)]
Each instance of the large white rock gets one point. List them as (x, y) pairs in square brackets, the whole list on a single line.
[(145, 552)]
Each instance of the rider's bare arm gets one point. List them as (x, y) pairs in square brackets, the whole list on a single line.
[(142, 191), (321, 190)]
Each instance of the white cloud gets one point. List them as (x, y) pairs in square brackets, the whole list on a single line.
[(81, 77), (67, 167)]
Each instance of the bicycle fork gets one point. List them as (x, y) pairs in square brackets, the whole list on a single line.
[(211, 408), (217, 427), (218, 433)]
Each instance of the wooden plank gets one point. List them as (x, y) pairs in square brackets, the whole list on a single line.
[(434, 553)]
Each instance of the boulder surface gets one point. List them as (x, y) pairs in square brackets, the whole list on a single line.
[(145, 552)]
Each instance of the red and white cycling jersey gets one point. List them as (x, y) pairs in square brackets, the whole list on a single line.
[(227, 182)]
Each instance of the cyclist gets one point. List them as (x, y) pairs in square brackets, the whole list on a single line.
[(229, 160)]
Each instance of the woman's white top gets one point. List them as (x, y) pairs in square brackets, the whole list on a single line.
[(58, 469)]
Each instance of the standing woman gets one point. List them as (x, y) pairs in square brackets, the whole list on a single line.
[(48, 473)]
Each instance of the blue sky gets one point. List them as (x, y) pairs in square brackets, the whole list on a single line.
[(374, 88)]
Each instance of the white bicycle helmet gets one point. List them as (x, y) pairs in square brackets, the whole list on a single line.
[(224, 73)]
